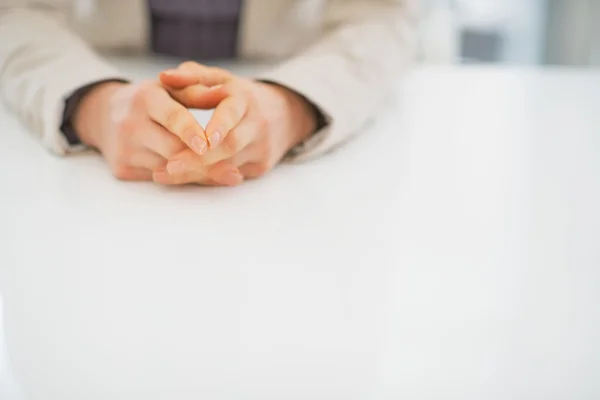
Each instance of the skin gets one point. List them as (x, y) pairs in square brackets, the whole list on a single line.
[(146, 132), (253, 126)]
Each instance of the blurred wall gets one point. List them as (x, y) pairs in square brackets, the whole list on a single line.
[(573, 32), (524, 31)]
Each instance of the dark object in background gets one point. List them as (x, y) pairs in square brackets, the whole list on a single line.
[(194, 29), (481, 45)]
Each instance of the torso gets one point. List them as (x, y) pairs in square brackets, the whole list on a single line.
[(268, 28)]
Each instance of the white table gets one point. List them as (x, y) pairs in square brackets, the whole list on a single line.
[(451, 252)]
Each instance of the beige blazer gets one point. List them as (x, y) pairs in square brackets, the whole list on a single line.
[(341, 54)]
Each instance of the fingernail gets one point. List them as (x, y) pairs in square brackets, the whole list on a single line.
[(170, 72), (176, 167), (214, 139), (198, 145), (231, 178)]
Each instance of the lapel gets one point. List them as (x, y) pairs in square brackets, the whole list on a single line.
[(258, 17)]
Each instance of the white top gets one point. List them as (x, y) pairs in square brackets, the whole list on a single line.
[(451, 252)]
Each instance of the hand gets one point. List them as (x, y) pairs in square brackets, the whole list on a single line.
[(137, 128), (253, 126)]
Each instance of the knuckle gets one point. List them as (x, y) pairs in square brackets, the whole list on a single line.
[(230, 116), (178, 179), (227, 89), (174, 146), (120, 161), (259, 169), (229, 108), (265, 167), (214, 171), (142, 92), (249, 94), (262, 123), (121, 171), (262, 168), (174, 118), (125, 128), (180, 95), (120, 155)]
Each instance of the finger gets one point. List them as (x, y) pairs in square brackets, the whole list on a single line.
[(247, 133), (227, 116), (196, 96), (210, 182), (197, 175), (254, 152), (187, 166), (162, 142), (177, 119), (162, 177), (205, 75), (225, 173), (253, 161), (147, 160), (191, 73), (135, 174), (216, 73), (216, 94), (254, 170), (178, 79), (202, 97)]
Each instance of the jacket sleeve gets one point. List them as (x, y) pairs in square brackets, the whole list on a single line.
[(41, 64), (348, 72)]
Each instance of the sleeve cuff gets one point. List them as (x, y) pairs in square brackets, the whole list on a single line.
[(56, 96), (321, 123), (329, 135), (70, 108)]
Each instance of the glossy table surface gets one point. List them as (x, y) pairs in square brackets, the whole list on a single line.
[(452, 251)]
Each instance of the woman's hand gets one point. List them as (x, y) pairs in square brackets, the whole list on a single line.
[(253, 126), (138, 128)]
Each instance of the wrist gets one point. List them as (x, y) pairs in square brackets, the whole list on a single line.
[(301, 114), (306, 117), (88, 117)]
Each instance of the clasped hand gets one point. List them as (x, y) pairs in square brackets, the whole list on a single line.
[(146, 132)]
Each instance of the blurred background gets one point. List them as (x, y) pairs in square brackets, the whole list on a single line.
[(522, 32)]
